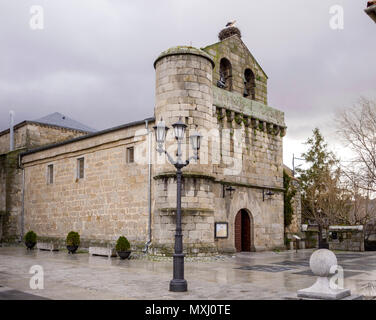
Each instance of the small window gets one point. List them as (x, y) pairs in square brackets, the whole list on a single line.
[(130, 155), (50, 174), (80, 168)]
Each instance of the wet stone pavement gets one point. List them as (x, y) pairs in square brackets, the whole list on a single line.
[(257, 275)]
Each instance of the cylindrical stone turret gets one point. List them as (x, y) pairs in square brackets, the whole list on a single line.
[(184, 89)]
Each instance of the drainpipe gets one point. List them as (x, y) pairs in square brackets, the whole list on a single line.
[(11, 131), (22, 218), (147, 244)]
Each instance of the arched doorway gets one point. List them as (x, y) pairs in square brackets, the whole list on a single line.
[(243, 231)]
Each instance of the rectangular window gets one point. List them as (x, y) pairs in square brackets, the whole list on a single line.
[(80, 168), (50, 174), (130, 155)]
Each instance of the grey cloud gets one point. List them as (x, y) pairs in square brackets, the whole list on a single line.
[(94, 59)]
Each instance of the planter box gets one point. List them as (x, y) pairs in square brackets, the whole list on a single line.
[(49, 246), (102, 251)]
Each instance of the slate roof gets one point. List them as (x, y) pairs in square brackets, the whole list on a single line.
[(90, 135), (58, 119)]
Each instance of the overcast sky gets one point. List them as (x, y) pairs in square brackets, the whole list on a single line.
[(93, 61)]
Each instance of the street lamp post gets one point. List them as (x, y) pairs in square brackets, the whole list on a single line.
[(178, 283)]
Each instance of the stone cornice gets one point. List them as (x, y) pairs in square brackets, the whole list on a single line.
[(184, 50), (215, 180), (185, 175), (232, 101), (194, 211)]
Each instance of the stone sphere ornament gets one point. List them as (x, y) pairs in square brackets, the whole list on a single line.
[(323, 264), (322, 261)]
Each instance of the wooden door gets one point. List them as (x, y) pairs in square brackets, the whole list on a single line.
[(242, 232)]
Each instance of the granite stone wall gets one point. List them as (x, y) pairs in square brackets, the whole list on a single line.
[(110, 201), (32, 135), (234, 50), (10, 195), (27, 136), (242, 148), (346, 239)]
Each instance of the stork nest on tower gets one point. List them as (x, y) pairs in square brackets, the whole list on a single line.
[(228, 32)]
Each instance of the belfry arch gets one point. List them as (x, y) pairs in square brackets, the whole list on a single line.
[(249, 84), (225, 74)]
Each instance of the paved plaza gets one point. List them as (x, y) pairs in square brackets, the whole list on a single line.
[(261, 275)]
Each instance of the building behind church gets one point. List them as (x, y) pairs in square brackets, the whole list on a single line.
[(104, 184)]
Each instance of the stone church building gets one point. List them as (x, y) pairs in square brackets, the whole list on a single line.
[(104, 184)]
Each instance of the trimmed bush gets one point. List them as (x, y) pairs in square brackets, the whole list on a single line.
[(31, 237), (73, 239), (123, 244)]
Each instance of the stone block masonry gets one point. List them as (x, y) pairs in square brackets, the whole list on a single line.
[(31, 135), (247, 155), (110, 201), (346, 238), (27, 135), (10, 196), (235, 51)]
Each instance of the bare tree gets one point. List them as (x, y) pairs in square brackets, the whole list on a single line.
[(357, 126), (360, 197)]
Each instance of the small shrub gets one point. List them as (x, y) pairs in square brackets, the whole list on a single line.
[(73, 239), (122, 244), (31, 237)]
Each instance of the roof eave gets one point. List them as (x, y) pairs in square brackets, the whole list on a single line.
[(90, 135)]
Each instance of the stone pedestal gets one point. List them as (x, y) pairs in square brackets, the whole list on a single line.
[(321, 290), (322, 264)]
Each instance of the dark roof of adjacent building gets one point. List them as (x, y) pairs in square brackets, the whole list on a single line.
[(60, 120), (90, 135), (57, 120)]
